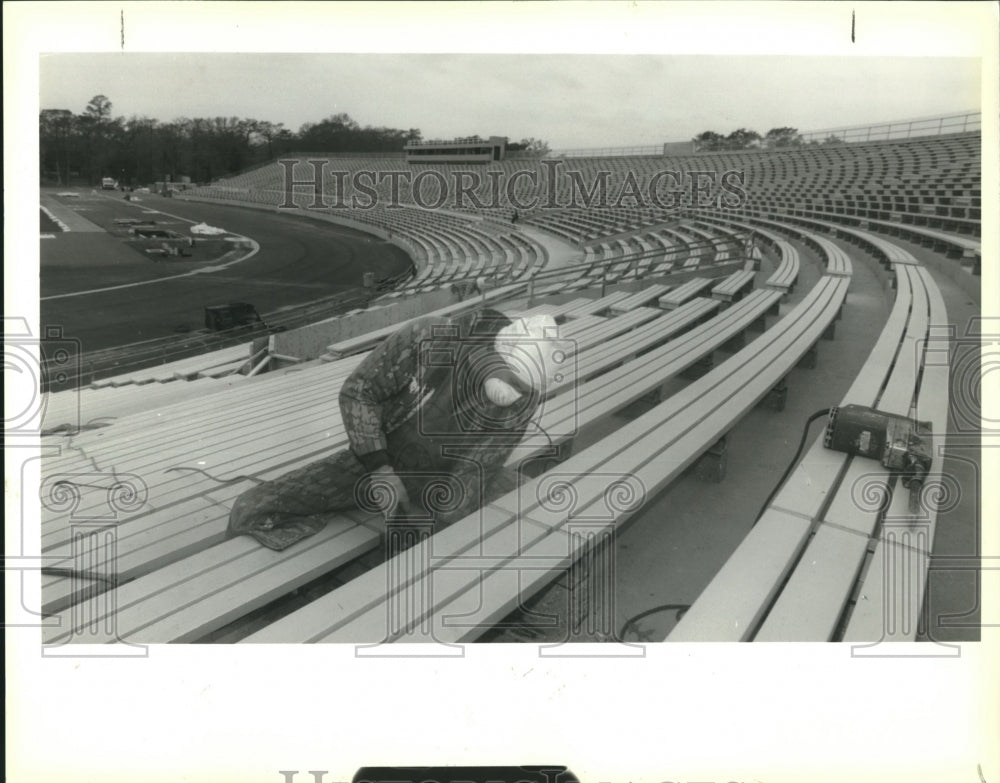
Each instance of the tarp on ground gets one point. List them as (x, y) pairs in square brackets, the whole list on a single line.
[(203, 229)]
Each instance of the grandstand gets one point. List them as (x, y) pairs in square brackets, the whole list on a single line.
[(691, 311)]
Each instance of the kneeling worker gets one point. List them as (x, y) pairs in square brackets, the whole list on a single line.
[(431, 417)]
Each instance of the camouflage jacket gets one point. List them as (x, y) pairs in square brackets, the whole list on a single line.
[(416, 403)]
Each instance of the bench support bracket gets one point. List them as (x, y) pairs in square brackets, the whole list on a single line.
[(734, 343), (699, 368), (775, 399), (712, 464), (808, 361)]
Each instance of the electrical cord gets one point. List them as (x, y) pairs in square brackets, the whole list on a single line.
[(680, 609), (795, 458), (233, 480), (541, 429)]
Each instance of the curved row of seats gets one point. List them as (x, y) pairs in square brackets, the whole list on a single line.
[(787, 273), (968, 249), (466, 578), (181, 581), (174, 550), (517, 258), (838, 554), (452, 248), (358, 613), (256, 412), (928, 180), (913, 166)]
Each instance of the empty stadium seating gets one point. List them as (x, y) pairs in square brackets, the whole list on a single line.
[(810, 543), (662, 305)]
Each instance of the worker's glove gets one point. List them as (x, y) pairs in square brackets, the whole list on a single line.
[(388, 492), (500, 392)]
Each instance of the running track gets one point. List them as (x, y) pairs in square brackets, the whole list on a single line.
[(299, 260)]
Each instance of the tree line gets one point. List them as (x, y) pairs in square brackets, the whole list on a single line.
[(742, 138), (85, 147)]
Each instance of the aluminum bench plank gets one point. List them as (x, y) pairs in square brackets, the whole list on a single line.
[(890, 603), (685, 291), (184, 601), (640, 298), (733, 285), (568, 416)]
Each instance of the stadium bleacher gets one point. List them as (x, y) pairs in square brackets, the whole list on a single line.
[(656, 293), (806, 550)]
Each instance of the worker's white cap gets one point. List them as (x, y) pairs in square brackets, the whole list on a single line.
[(530, 346)]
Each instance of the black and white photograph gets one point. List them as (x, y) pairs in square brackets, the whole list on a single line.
[(392, 364)]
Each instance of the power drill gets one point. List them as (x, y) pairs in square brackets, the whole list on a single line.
[(899, 443)]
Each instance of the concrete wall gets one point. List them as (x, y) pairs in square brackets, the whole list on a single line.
[(310, 342)]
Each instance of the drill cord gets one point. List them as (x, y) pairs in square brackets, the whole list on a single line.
[(795, 459), (541, 429), (233, 480)]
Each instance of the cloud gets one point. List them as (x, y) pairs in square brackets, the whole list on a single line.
[(571, 100)]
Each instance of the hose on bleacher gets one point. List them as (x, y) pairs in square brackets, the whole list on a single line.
[(795, 458)]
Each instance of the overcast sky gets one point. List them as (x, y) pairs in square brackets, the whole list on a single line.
[(571, 101)]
